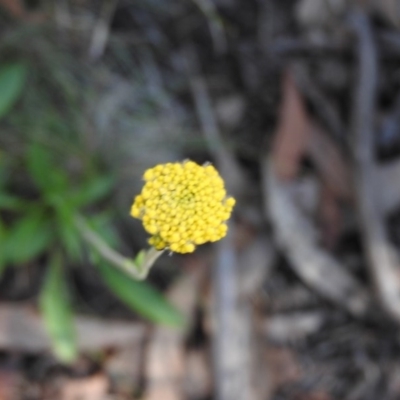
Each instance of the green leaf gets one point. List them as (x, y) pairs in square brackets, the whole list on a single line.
[(12, 80), (28, 237), (141, 297), (3, 171), (44, 171), (93, 191), (57, 313), (70, 240), (10, 202), (67, 230), (94, 256), (3, 256)]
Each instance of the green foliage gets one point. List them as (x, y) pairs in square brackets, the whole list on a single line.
[(48, 178), (57, 312), (93, 191), (47, 226), (141, 297), (47, 181), (12, 81), (3, 235), (9, 202), (28, 238)]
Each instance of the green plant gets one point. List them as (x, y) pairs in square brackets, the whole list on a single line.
[(54, 206)]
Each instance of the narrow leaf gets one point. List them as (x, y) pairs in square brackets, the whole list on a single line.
[(10, 202), (45, 172), (67, 231), (141, 297), (95, 190), (3, 255), (12, 80), (27, 238), (57, 313)]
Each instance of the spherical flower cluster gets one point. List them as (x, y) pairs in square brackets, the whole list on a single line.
[(183, 205)]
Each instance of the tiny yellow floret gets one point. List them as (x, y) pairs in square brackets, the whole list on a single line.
[(183, 205)]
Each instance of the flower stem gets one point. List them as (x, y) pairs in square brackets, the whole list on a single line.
[(138, 271)]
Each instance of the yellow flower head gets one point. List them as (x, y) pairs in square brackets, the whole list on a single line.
[(183, 205)]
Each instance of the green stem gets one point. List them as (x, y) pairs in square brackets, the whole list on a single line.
[(125, 264), (150, 257)]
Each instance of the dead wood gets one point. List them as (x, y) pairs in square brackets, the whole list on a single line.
[(165, 354), (254, 265), (22, 330), (388, 177), (335, 170), (230, 331), (382, 258), (234, 348), (286, 328), (296, 236), (95, 387)]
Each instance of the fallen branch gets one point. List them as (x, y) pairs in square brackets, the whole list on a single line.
[(382, 258), (165, 354), (233, 347), (22, 330), (299, 240)]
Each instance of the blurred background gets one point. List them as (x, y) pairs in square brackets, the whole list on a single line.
[(297, 104)]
